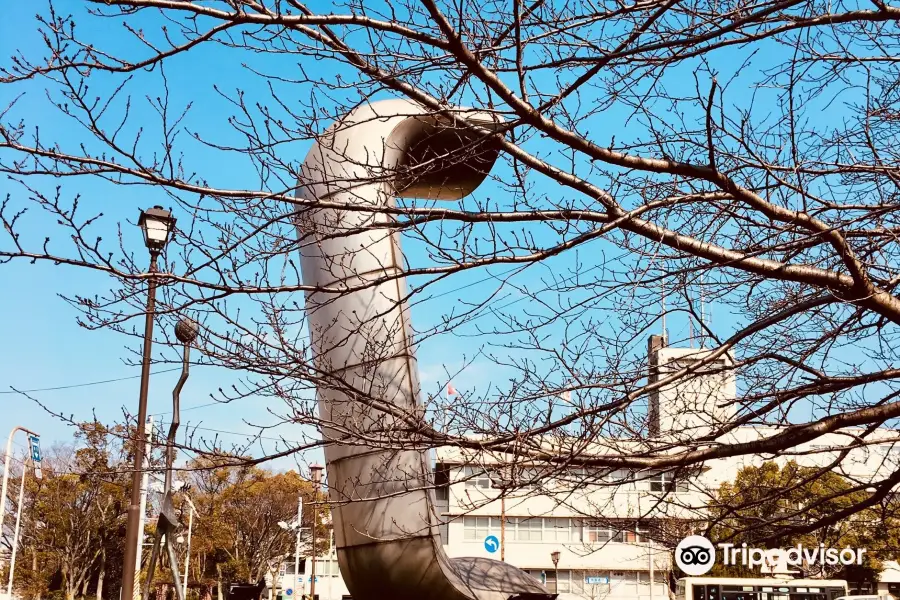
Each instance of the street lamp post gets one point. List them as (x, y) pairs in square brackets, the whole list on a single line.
[(554, 556), (157, 225), (316, 472)]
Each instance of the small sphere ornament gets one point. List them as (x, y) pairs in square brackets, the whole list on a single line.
[(186, 331)]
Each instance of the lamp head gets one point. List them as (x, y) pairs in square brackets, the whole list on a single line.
[(186, 330), (157, 224), (315, 471), (554, 556)]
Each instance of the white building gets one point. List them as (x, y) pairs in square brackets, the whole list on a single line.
[(613, 559), (329, 583)]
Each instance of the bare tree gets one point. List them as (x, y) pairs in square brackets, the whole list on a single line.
[(659, 159)]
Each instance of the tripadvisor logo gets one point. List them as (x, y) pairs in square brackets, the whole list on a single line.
[(695, 555)]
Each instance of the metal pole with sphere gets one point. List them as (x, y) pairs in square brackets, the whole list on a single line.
[(157, 225), (186, 332)]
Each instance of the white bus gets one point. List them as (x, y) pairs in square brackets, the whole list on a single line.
[(739, 588)]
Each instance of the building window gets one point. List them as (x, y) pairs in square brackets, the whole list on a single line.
[(557, 530), (538, 574), (663, 482), (602, 534), (530, 530), (623, 583), (476, 478), (289, 567), (327, 568), (636, 534), (629, 533), (564, 581), (442, 484), (577, 531), (478, 528)]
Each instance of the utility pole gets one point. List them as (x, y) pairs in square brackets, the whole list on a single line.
[(317, 480)]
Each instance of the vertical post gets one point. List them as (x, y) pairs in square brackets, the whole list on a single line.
[(15, 542), (554, 556), (312, 579), (297, 545), (145, 489), (132, 534), (650, 551), (503, 526), (317, 479), (330, 564), (187, 554), (6, 467)]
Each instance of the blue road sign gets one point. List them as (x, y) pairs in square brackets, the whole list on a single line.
[(595, 580), (289, 592), (491, 543), (35, 442)]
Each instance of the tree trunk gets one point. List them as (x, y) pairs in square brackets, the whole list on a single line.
[(69, 585), (101, 575), (34, 566), (84, 586), (219, 582)]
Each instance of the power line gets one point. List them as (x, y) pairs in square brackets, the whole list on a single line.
[(77, 385)]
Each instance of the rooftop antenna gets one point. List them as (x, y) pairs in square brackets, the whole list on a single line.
[(702, 315), (662, 288), (691, 329)]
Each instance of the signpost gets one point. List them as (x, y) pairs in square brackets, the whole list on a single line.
[(596, 580), (6, 468), (34, 442)]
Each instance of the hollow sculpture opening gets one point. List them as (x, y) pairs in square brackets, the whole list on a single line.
[(384, 523)]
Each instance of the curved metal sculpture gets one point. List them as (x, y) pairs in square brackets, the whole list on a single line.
[(384, 522)]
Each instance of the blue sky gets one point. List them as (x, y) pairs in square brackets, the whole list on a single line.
[(44, 347)]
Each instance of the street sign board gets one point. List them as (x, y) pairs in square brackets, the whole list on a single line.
[(35, 443), (596, 580), (289, 592), (491, 543)]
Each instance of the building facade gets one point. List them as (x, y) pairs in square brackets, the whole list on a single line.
[(600, 532)]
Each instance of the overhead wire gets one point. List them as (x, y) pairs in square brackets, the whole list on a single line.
[(78, 385)]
